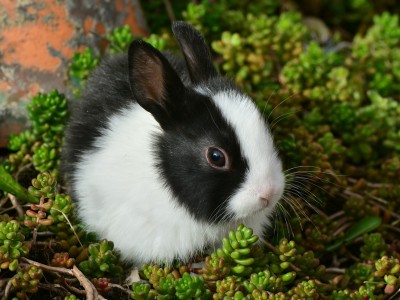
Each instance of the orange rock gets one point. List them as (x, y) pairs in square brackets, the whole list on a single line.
[(38, 37)]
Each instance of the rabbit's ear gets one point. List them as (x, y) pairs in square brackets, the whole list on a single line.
[(154, 83), (196, 52)]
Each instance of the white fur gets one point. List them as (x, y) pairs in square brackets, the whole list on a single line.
[(121, 198)]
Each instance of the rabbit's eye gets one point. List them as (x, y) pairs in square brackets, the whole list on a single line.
[(217, 158)]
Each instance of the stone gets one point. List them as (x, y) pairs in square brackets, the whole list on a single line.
[(37, 39)]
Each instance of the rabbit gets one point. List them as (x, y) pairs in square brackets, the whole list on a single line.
[(163, 156)]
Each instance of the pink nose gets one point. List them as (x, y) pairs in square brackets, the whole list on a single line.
[(264, 201), (265, 197)]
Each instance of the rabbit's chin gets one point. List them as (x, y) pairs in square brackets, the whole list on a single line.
[(172, 234)]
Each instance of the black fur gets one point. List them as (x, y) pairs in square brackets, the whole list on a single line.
[(183, 165), (106, 92), (196, 53), (191, 122)]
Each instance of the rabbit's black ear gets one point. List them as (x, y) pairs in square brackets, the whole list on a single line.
[(154, 83), (196, 52)]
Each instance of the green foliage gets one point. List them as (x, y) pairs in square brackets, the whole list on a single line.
[(12, 245), (10, 185), (142, 291), (45, 157), (41, 144), (102, 260), (44, 185), (166, 283), (374, 247), (313, 66), (188, 287), (365, 225), (304, 290), (332, 106), (382, 64), (205, 16), (264, 41), (227, 287), (62, 208), (48, 113), (27, 281), (239, 270), (80, 67), (276, 280), (237, 250), (120, 39)]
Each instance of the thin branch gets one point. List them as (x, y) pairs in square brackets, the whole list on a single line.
[(269, 246), (3, 201), (335, 270), (373, 185), (55, 288), (295, 268), (170, 11), (91, 292), (70, 225), (125, 290), (7, 291), (336, 215), (376, 202), (353, 194), (16, 205), (75, 290)]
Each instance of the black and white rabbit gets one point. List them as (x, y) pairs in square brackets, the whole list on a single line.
[(165, 157)]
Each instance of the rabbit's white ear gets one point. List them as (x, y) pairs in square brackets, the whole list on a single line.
[(154, 83), (196, 52)]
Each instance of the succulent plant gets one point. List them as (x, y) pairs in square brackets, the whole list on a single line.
[(24, 139), (81, 65), (44, 185), (41, 144), (102, 284), (215, 269), (48, 112), (37, 214), (304, 290), (12, 245), (45, 157), (27, 281), (226, 288), (188, 287), (142, 291), (374, 247), (265, 281), (236, 250), (102, 260), (62, 259), (120, 39)]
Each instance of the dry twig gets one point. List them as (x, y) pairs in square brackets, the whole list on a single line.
[(91, 292)]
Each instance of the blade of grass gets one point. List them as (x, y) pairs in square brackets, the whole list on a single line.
[(10, 185)]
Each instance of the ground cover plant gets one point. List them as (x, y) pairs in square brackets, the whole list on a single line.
[(334, 109)]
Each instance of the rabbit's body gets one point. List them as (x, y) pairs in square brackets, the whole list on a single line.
[(164, 160)]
